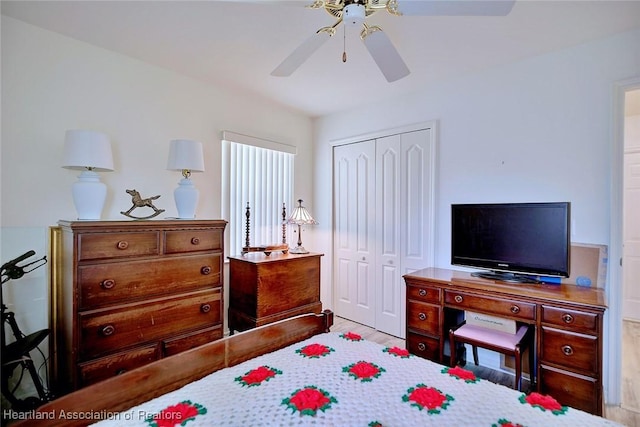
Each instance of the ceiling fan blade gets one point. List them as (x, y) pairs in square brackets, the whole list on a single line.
[(455, 7), (301, 54), (385, 55)]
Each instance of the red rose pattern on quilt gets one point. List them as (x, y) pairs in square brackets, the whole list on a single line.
[(339, 383)]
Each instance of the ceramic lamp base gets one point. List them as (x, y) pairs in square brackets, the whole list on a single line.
[(89, 195), (186, 196)]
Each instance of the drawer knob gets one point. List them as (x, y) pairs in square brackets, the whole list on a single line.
[(195, 241), (567, 350), (422, 346), (567, 318), (205, 308), (422, 292), (422, 316), (515, 309), (458, 298), (107, 330), (122, 244), (108, 284), (205, 270)]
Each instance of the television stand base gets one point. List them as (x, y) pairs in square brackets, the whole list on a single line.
[(505, 277)]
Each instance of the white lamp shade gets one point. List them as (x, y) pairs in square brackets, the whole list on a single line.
[(87, 149), (185, 154)]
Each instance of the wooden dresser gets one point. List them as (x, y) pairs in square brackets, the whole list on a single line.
[(568, 323), (264, 289), (133, 292)]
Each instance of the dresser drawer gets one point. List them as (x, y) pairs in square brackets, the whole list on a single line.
[(103, 284), (425, 317), (424, 293), (108, 330), (573, 351), (192, 241), (501, 307), (117, 245), (194, 339), (570, 318), (116, 364)]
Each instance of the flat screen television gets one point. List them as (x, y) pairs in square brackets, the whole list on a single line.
[(512, 241)]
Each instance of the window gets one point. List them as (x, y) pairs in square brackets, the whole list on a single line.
[(260, 173)]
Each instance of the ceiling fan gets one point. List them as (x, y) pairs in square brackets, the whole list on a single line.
[(385, 55)]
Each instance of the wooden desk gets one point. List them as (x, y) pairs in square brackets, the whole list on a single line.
[(264, 289), (568, 322)]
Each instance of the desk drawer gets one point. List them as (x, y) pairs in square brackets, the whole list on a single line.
[(425, 347), (104, 284), (192, 241), (425, 317), (570, 318), (499, 306), (577, 391), (117, 245), (108, 330), (573, 351), (424, 293)]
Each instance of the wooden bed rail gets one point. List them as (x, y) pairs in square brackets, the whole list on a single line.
[(112, 396)]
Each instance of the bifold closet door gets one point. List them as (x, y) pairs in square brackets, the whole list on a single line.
[(354, 231), (403, 215)]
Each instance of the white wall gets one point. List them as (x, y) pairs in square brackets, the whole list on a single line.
[(536, 130), (51, 83)]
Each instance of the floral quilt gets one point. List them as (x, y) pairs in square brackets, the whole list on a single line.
[(340, 379)]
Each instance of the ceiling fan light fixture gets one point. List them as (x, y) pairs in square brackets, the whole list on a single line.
[(354, 14)]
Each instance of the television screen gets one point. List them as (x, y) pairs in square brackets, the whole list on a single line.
[(512, 239)]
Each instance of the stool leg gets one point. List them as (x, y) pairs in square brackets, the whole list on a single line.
[(452, 349), (518, 369), (532, 368)]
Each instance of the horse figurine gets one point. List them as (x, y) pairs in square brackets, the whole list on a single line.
[(139, 202)]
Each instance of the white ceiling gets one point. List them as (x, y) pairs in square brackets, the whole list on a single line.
[(237, 44)]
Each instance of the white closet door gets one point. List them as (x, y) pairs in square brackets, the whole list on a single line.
[(403, 221), (354, 239)]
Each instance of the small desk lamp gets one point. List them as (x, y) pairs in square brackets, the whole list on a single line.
[(300, 216), (89, 152), (186, 156)]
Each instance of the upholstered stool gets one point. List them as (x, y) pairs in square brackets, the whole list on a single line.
[(502, 342)]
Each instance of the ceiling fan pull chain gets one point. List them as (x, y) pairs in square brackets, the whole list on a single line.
[(344, 44)]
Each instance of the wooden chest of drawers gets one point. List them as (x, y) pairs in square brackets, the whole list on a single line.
[(133, 292)]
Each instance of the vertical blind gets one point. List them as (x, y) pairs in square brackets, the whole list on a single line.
[(261, 177)]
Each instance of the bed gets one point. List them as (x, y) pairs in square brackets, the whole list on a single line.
[(296, 372)]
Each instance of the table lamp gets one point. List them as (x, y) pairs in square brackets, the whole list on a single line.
[(300, 216), (89, 152), (186, 156)]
